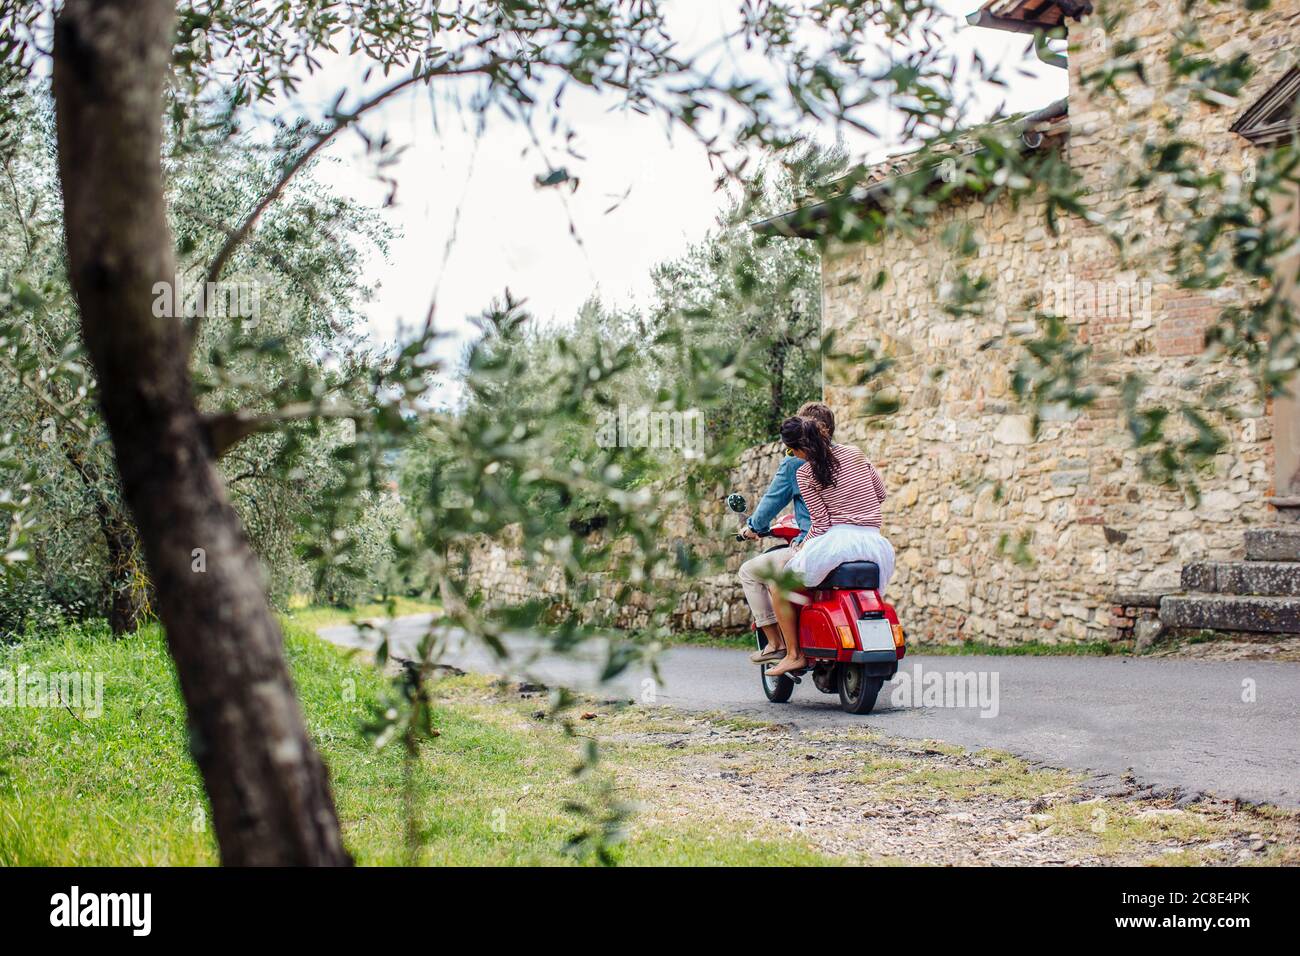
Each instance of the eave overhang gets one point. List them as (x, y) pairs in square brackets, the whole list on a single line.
[(1028, 16), (1041, 17), (805, 222)]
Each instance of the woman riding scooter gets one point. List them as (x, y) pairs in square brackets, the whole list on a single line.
[(757, 574), (843, 493)]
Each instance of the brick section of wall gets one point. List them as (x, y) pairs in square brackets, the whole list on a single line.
[(1182, 331)]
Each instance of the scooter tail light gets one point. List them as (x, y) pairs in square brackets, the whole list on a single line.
[(846, 637), (898, 636)]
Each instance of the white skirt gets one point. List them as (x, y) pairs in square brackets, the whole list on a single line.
[(840, 544)]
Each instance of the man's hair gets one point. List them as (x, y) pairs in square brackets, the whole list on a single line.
[(819, 413)]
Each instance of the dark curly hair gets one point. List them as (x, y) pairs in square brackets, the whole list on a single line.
[(819, 412), (806, 435)]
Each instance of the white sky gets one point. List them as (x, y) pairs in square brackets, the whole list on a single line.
[(510, 234)]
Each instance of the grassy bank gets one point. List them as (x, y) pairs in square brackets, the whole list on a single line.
[(311, 616), (120, 789)]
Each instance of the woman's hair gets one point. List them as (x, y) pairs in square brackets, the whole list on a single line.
[(819, 413), (806, 435)]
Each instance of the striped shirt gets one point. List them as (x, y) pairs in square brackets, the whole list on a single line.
[(855, 498)]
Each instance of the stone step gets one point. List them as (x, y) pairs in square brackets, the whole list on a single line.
[(1273, 544), (1230, 612), (1243, 577)]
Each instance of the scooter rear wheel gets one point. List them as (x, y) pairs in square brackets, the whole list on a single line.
[(778, 689), (857, 690)]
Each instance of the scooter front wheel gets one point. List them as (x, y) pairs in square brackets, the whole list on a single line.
[(857, 690)]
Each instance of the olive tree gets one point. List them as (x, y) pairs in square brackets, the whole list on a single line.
[(119, 65)]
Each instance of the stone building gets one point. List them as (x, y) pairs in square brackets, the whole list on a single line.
[(1112, 555), (967, 473)]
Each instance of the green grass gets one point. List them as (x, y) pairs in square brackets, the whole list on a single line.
[(1118, 828), (112, 790), (744, 639), (122, 790), (1003, 776), (1025, 649), (313, 616), (694, 845)]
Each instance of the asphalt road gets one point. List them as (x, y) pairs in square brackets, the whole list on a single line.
[(1174, 724)]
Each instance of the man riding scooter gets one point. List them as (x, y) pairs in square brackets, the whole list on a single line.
[(758, 573)]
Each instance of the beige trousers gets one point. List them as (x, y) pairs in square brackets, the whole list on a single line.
[(755, 576)]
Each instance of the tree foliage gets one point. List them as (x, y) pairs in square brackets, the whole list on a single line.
[(303, 272)]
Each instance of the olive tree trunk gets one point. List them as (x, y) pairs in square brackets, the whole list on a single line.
[(269, 792), (128, 585), (126, 581)]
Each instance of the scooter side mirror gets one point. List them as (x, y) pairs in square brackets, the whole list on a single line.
[(736, 502)]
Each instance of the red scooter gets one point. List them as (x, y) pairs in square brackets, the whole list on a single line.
[(849, 635)]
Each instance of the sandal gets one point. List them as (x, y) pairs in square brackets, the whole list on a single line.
[(769, 653), (788, 666)]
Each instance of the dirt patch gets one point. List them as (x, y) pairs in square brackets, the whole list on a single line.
[(872, 799), (857, 796)]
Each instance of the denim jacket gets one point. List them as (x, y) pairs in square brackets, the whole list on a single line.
[(779, 494)]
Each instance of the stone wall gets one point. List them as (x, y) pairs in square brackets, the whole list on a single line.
[(965, 471), (714, 602)]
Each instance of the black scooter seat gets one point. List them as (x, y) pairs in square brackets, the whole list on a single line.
[(854, 575)]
